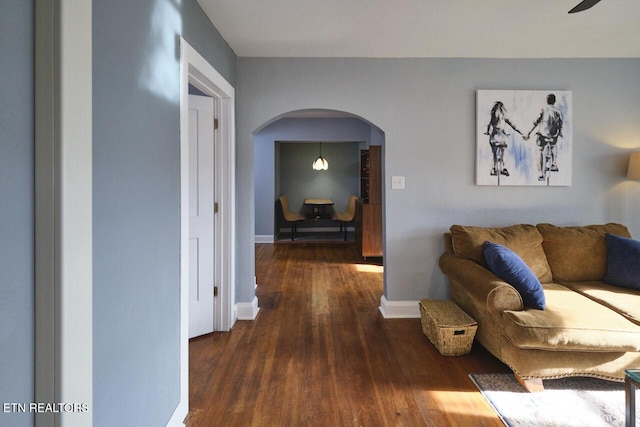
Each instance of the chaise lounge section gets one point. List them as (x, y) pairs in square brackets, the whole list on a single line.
[(588, 327)]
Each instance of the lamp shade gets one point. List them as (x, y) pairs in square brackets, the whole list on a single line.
[(320, 164), (633, 171)]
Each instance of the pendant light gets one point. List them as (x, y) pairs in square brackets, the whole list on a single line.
[(320, 164)]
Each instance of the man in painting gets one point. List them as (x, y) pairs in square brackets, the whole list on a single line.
[(497, 131), (549, 124)]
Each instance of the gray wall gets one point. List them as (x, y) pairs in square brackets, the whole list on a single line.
[(426, 109), (267, 181), (298, 180), (136, 200), (16, 208)]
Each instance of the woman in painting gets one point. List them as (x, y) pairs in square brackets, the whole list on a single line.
[(497, 131)]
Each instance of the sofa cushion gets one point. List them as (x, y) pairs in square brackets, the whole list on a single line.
[(524, 239), (623, 262), (508, 266), (578, 253), (571, 321), (626, 302)]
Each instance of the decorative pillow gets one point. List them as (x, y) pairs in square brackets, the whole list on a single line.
[(508, 266), (623, 262)]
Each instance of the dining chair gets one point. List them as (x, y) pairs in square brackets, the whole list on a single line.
[(292, 217), (346, 217)]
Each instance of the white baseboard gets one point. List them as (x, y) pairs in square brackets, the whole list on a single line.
[(247, 310), (264, 238), (178, 415), (399, 309)]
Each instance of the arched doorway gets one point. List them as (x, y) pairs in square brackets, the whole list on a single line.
[(308, 127)]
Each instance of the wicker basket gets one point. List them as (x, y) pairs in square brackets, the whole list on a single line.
[(449, 328)]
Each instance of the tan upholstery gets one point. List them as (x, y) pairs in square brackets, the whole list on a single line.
[(523, 239), (570, 322), (624, 301), (578, 253), (288, 215), (347, 216), (588, 328), (485, 300), (528, 363), (292, 217)]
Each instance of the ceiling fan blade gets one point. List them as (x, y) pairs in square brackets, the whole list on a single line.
[(584, 5)]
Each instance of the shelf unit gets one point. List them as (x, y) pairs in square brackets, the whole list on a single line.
[(369, 208)]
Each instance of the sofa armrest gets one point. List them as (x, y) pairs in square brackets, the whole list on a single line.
[(481, 284)]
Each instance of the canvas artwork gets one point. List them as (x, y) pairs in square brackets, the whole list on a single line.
[(524, 137)]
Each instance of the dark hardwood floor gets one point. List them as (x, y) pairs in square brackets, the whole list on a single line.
[(320, 354)]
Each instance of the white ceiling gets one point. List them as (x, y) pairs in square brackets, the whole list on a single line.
[(427, 28)]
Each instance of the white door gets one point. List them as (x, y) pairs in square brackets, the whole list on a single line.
[(201, 215)]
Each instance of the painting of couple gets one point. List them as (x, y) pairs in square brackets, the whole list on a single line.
[(524, 138)]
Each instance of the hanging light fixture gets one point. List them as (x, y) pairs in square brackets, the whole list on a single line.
[(320, 164)]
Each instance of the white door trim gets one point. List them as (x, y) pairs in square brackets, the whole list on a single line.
[(63, 209), (196, 70)]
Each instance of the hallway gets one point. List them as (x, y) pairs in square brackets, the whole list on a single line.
[(320, 354)]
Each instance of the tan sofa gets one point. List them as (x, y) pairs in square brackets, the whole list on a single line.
[(588, 328)]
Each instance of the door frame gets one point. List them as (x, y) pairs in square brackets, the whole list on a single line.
[(195, 70), (63, 258)]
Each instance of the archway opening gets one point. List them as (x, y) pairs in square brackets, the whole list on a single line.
[(284, 150)]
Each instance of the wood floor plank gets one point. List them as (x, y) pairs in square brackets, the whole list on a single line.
[(320, 354)]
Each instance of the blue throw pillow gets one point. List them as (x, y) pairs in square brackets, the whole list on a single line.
[(508, 266), (623, 262)]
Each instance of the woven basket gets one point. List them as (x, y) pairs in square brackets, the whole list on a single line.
[(449, 328)]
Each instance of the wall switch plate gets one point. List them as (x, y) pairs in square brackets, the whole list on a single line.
[(397, 182)]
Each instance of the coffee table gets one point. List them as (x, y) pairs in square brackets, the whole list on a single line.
[(631, 383)]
